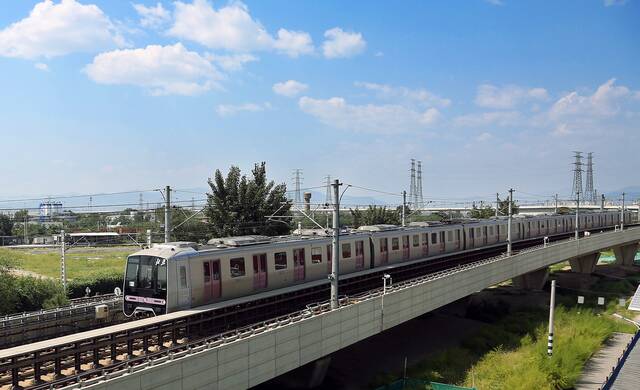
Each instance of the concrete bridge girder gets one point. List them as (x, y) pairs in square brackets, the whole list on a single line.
[(625, 254), (533, 280), (585, 264)]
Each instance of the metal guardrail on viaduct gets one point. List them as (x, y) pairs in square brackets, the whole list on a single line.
[(252, 355)]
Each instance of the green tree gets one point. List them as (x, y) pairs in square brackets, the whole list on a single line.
[(375, 215), (6, 225), (483, 212), (239, 206)]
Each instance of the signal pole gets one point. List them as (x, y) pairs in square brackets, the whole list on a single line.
[(167, 215), (404, 204), (509, 223), (551, 309), (335, 256)]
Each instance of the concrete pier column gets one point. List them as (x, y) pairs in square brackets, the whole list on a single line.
[(319, 371), (585, 264), (625, 254), (533, 280)]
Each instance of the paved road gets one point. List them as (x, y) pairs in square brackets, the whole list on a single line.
[(600, 364)]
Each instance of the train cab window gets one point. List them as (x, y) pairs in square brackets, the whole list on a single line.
[(316, 255), (280, 259), (450, 236), (416, 240), (395, 244), (346, 251), (207, 272), (434, 238), (183, 276), (237, 267)]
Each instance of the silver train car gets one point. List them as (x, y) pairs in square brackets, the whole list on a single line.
[(181, 275)]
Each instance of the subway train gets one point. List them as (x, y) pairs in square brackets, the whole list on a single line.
[(176, 276)]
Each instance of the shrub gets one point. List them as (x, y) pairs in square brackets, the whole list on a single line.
[(22, 293), (99, 284)]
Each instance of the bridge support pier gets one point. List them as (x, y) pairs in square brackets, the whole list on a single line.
[(585, 264), (534, 280), (320, 368), (625, 254)]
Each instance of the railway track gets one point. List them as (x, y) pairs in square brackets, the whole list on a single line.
[(78, 358)]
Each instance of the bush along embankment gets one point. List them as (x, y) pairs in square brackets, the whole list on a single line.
[(510, 351), (100, 284), (24, 293)]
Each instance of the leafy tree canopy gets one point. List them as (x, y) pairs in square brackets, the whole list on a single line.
[(6, 225), (375, 215), (238, 205)]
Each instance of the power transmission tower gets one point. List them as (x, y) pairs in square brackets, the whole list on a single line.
[(297, 180), (412, 186), (589, 194), (419, 199), (577, 174)]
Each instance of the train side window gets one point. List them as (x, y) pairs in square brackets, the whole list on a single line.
[(491, 230), (416, 240), (280, 259), (457, 235), (442, 237), (395, 244), (207, 272), (183, 276), (237, 267), (449, 236), (346, 251), (316, 255), (478, 233), (425, 239), (434, 238)]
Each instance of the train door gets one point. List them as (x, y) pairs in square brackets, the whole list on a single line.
[(442, 242), (359, 255), (485, 237), (211, 280), (260, 271), (457, 238), (298, 264), (425, 244), (384, 250), (184, 293), (472, 240), (405, 247)]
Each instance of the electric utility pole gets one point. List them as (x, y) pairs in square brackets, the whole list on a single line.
[(497, 203), (556, 208), (63, 269), (335, 257), (509, 223), (551, 310), (577, 215), (167, 214), (622, 213), (404, 205)]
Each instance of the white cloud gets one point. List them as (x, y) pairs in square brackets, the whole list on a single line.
[(609, 3), (342, 44), (42, 66), (483, 137), (162, 70), (53, 30), (152, 17), (293, 43), (225, 110), (509, 96), (495, 2), (411, 95), (231, 63), (232, 28), (379, 54), (386, 119), (494, 118), (289, 88), (607, 100), (561, 130)]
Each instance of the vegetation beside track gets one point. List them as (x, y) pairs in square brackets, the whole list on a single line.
[(510, 349)]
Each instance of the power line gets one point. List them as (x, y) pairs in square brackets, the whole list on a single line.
[(72, 196)]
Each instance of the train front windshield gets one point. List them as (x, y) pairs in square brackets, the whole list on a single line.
[(145, 284)]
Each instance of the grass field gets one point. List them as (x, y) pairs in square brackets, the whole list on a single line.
[(80, 262)]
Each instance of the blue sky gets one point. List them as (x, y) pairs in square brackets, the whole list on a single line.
[(104, 96)]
